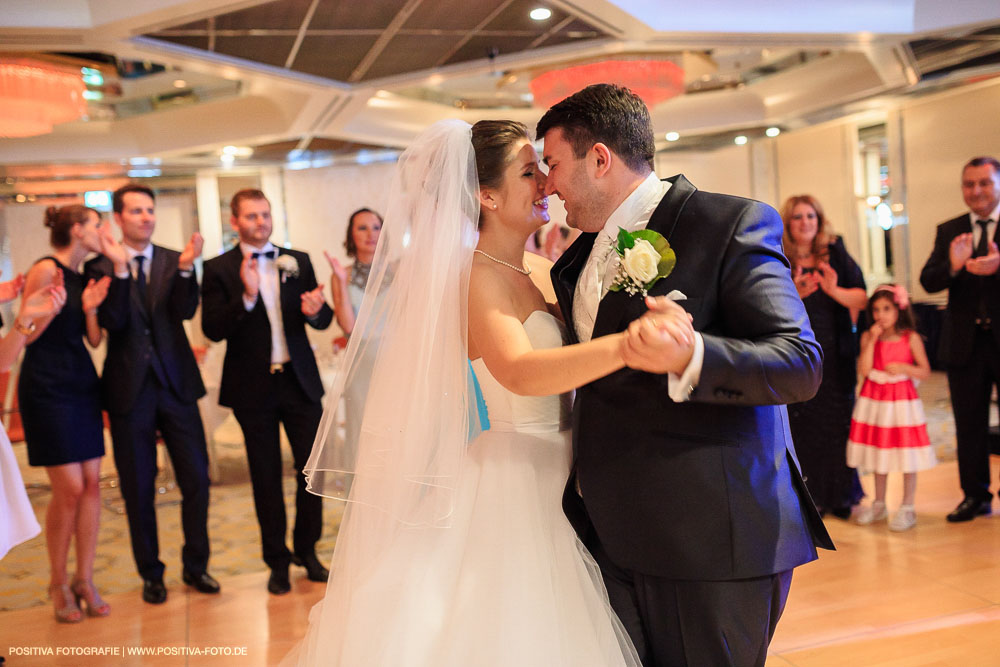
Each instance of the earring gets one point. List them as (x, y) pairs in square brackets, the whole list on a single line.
[(494, 207)]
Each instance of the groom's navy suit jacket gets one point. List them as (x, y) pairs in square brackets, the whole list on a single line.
[(706, 489)]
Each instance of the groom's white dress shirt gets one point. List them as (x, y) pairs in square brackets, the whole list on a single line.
[(269, 291), (598, 274)]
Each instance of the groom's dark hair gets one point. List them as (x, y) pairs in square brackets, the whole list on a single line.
[(608, 114)]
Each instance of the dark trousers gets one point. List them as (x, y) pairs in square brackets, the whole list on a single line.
[(134, 438), (282, 401), (675, 623), (971, 386)]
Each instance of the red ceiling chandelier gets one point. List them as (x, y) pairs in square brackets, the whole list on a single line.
[(34, 96), (655, 81)]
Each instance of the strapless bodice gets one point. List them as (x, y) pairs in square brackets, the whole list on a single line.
[(527, 414)]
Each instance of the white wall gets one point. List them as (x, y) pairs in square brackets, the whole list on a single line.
[(941, 133), (726, 170)]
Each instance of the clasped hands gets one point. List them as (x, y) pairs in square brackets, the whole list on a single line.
[(312, 301), (960, 254), (662, 340), (807, 282)]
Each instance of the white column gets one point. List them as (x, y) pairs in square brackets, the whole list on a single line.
[(209, 212), (273, 187)]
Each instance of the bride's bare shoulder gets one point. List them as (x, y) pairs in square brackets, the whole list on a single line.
[(540, 268)]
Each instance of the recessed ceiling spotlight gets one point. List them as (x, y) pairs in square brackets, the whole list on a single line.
[(180, 83), (540, 13), (772, 131), (673, 136), (740, 140)]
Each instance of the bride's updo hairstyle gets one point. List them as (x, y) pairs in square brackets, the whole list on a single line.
[(60, 221), (492, 141)]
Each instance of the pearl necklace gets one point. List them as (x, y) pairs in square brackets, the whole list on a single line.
[(526, 272)]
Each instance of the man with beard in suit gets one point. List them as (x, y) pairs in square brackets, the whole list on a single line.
[(964, 261), (684, 484), (151, 383), (258, 299)]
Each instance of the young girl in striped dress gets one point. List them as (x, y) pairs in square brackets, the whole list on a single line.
[(888, 428)]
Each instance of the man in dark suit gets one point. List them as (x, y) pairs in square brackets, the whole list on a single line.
[(964, 261), (685, 485), (151, 383), (258, 299)]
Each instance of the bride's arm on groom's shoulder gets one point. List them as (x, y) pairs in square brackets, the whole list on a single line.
[(498, 335)]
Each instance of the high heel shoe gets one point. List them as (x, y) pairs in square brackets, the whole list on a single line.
[(66, 608), (85, 591)]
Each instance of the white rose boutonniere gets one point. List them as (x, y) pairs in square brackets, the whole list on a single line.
[(288, 266), (645, 258)]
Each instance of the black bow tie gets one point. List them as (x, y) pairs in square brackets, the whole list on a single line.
[(267, 253)]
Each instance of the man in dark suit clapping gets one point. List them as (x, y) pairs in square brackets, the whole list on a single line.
[(151, 383), (258, 299), (965, 262)]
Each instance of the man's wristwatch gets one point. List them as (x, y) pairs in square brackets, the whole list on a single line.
[(25, 329)]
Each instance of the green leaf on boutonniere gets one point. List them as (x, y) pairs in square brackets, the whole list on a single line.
[(636, 272)]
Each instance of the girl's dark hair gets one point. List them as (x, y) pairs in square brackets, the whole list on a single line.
[(349, 244), (60, 221), (492, 141), (907, 319)]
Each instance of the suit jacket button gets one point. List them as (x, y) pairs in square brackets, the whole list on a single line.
[(146, 331)]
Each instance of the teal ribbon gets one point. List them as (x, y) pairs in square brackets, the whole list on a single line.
[(479, 416)]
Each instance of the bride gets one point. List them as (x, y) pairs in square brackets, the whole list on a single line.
[(454, 550)]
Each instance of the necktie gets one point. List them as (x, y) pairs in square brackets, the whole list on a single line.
[(140, 276), (591, 286), (983, 247), (269, 254)]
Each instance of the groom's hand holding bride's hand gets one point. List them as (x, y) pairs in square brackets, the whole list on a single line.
[(662, 340)]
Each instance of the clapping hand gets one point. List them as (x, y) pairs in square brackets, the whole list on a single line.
[(960, 251), (986, 265), (113, 250), (312, 301), (191, 252), (806, 283), (250, 277), (10, 289), (338, 269), (94, 294), (826, 278), (42, 303), (662, 340)]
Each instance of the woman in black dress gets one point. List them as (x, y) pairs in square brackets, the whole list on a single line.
[(832, 288), (60, 401)]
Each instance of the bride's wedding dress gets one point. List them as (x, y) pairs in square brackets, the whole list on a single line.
[(507, 583)]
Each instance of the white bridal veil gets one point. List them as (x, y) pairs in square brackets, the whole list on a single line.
[(410, 336)]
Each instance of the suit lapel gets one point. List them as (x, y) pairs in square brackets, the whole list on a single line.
[(615, 305), (565, 273)]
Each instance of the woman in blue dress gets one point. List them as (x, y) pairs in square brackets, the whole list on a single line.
[(60, 400)]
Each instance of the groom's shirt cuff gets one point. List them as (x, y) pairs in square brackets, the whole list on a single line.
[(679, 387)]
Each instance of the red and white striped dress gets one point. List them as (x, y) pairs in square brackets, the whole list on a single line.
[(888, 428)]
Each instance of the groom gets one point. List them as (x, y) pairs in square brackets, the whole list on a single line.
[(685, 485)]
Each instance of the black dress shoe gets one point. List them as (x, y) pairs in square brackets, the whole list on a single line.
[(277, 583), (153, 591), (314, 569), (203, 583), (969, 509)]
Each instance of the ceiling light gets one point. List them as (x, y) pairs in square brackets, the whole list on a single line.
[(227, 159), (34, 96), (654, 81), (740, 140), (772, 131), (180, 83), (673, 136), (540, 13), (873, 201)]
